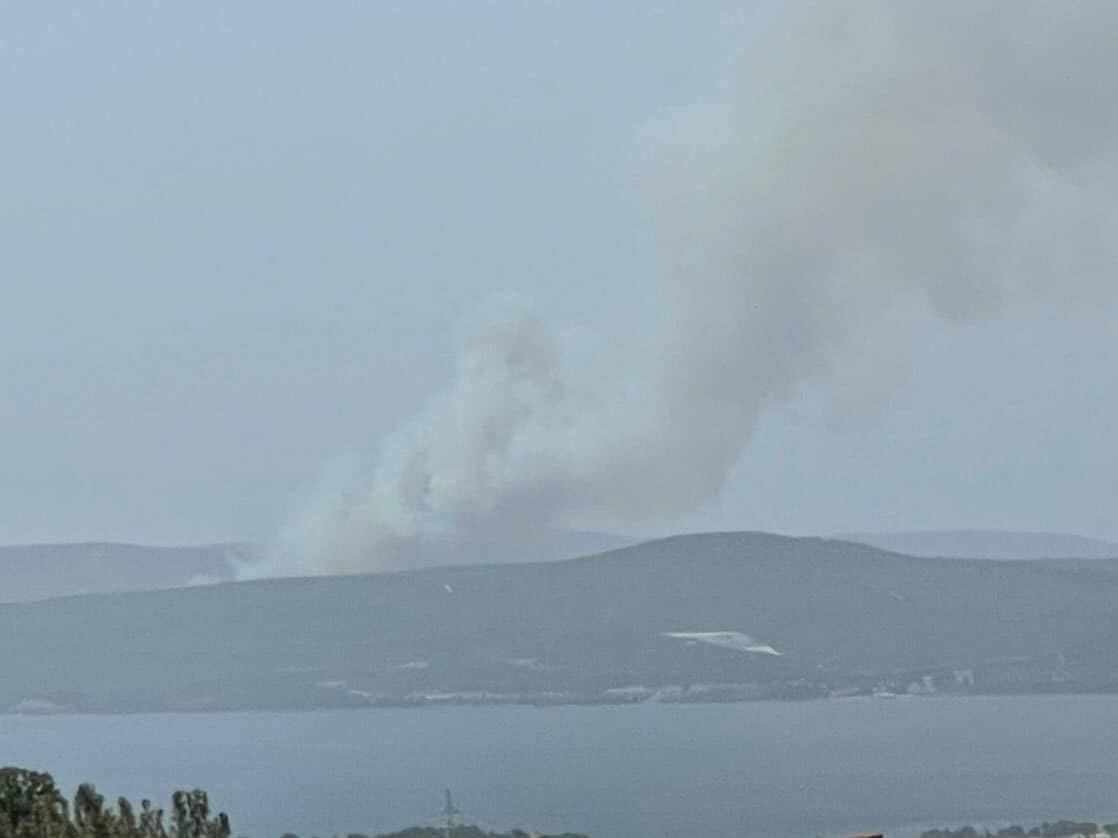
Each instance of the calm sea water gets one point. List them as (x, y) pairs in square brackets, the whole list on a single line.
[(649, 771)]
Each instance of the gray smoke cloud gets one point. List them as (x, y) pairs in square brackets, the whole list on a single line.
[(858, 157)]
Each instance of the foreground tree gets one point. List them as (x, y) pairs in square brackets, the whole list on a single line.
[(31, 806)]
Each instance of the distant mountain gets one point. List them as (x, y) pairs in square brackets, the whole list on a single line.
[(45, 571), (700, 617), (571, 544), (549, 545), (989, 544), (41, 571)]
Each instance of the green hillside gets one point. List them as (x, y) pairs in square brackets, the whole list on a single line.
[(844, 617)]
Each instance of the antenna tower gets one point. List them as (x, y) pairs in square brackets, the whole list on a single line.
[(449, 812)]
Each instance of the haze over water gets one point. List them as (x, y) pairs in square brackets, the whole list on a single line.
[(652, 771)]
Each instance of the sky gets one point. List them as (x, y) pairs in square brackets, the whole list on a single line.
[(238, 241)]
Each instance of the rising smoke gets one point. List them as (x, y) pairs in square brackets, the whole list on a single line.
[(849, 158)]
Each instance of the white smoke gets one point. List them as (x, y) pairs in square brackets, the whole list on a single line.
[(857, 157)]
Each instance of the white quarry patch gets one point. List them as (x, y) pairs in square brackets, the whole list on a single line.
[(36, 706), (726, 639), (634, 691)]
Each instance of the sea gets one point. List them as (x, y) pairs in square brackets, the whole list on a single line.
[(753, 770)]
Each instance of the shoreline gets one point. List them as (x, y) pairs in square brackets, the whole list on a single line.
[(529, 703)]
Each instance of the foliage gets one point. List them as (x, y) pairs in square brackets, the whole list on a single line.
[(31, 806), (846, 616)]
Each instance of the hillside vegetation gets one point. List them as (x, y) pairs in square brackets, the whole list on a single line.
[(844, 618)]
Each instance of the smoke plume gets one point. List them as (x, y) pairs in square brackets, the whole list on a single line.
[(848, 159)]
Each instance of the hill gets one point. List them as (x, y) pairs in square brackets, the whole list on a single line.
[(46, 571), (702, 617), (41, 571), (989, 544)]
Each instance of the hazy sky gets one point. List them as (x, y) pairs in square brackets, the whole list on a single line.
[(236, 240)]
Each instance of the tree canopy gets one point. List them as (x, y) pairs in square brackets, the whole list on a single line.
[(31, 806)]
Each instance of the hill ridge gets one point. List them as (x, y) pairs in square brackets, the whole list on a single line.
[(677, 619)]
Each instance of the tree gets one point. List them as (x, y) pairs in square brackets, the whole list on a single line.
[(191, 816), (31, 806)]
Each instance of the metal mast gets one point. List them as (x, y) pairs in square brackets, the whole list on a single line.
[(450, 812)]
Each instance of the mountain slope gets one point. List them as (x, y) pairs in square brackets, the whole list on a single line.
[(989, 544), (841, 615), (41, 571), (45, 571)]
